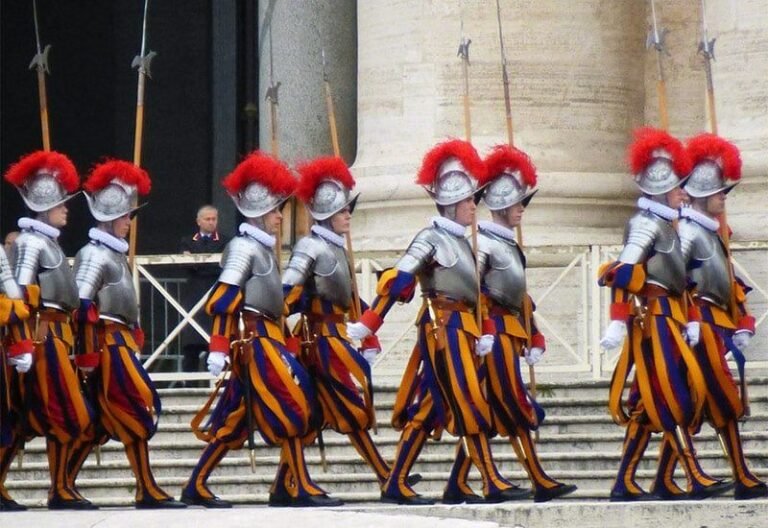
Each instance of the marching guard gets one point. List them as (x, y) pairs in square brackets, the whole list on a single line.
[(726, 324), (649, 305), (53, 405), (510, 185), (265, 376)]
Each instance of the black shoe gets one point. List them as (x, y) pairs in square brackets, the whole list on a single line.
[(58, 503), (11, 505), (628, 496), (153, 504), (415, 500), (279, 500), (510, 494), (461, 498), (713, 490), (316, 501), (206, 502), (663, 493), (547, 494), (413, 479), (742, 492)]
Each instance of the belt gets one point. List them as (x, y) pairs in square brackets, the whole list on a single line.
[(652, 291), (252, 317), (316, 318), (449, 305), (499, 311), (54, 316), (111, 326)]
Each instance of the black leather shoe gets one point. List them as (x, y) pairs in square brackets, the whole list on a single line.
[(280, 499), (511, 494), (547, 494), (627, 496), (154, 504), (742, 492), (413, 479), (11, 505), (663, 493), (713, 490), (415, 500), (461, 498), (316, 501), (59, 503), (206, 502)]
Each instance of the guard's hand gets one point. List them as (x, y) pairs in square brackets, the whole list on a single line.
[(614, 335), (22, 362), (217, 361), (358, 331), (484, 345), (86, 370), (741, 340), (370, 355), (533, 355), (693, 333)]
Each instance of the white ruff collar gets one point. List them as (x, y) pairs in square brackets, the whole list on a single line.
[(700, 218), (257, 234), (328, 235), (112, 242), (41, 227), (449, 225), (497, 229), (667, 213)]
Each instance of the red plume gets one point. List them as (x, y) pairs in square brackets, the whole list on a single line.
[(715, 148), (455, 148), (102, 175), (314, 172), (647, 140), (504, 157), (261, 168), (53, 162)]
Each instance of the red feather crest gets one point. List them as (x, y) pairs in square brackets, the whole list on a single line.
[(102, 175), (260, 168), (715, 148), (647, 140), (455, 148), (505, 158), (315, 172), (54, 162)]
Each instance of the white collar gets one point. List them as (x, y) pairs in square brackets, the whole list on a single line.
[(111, 241), (449, 225), (38, 226), (664, 211), (700, 218), (497, 229), (328, 235), (257, 234)]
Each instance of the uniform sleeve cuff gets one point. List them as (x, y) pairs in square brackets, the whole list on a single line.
[(25, 346), (620, 311), (489, 327), (371, 342), (747, 324), (372, 320), (219, 344), (292, 344), (694, 314), (89, 360), (539, 341)]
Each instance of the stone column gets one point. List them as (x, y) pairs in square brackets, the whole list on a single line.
[(577, 88)]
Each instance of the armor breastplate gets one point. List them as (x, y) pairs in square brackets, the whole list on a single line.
[(8, 286), (503, 267), (40, 260), (651, 239), (710, 270), (251, 265), (443, 263), (323, 269), (103, 275)]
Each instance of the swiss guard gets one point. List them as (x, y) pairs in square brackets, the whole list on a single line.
[(247, 309), (508, 189), (108, 332), (649, 305), (726, 324), (53, 403), (441, 388)]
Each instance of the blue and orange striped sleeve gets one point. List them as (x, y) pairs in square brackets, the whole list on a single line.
[(625, 280), (223, 305), (393, 286)]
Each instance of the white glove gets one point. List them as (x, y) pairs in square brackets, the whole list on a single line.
[(370, 355), (216, 363), (740, 339), (358, 331), (22, 362), (484, 345), (534, 355), (693, 333), (86, 370), (613, 335)]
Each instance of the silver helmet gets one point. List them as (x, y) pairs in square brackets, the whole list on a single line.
[(44, 179), (507, 190), (257, 200), (326, 187), (658, 161), (716, 165), (511, 178), (331, 197), (450, 172), (259, 184), (43, 192), (706, 179), (453, 183), (114, 188), (658, 177)]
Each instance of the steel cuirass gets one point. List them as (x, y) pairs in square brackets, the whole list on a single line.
[(323, 269), (38, 259), (502, 266), (651, 239), (251, 265), (710, 273), (103, 276), (8, 286), (443, 263)]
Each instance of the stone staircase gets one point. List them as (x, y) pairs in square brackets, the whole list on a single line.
[(578, 444)]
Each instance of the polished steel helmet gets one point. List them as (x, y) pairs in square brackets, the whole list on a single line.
[(257, 200), (716, 165), (659, 162), (706, 179), (507, 190), (113, 201), (658, 177), (326, 187), (453, 183), (44, 179), (331, 197), (43, 191)]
